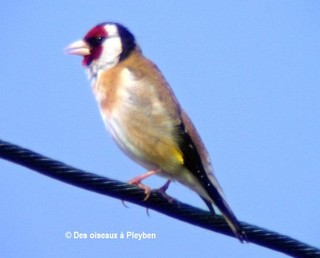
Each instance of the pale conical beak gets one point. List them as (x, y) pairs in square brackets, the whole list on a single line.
[(79, 47)]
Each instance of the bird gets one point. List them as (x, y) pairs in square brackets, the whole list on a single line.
[(144, 117)]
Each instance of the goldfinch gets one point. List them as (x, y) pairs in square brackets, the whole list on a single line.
[(144, 117)]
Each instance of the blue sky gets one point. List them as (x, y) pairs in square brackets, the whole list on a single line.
[(248, 74)]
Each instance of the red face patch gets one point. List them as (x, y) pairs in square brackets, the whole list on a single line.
[(98, 31), (94, 38)]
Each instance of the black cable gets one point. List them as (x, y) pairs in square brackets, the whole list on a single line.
[(130, 193)]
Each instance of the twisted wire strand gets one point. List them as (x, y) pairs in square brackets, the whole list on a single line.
[(133, 194)]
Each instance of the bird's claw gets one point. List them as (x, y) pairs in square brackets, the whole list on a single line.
[(162, 190), (147, 189)]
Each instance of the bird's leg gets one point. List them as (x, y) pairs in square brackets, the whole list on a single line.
[(137, 181), (162, 190)]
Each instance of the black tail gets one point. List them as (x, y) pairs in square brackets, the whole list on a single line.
[(229, 217), (193, 162)]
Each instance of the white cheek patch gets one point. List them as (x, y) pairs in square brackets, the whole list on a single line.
[(112, 49), (109, 58)]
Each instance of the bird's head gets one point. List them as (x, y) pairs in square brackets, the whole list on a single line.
[(103, 47)]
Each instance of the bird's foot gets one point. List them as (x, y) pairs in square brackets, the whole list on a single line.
[(162, 190), (137, 181), (147, 190)]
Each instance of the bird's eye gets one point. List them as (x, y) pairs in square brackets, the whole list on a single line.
[(96, 41)]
